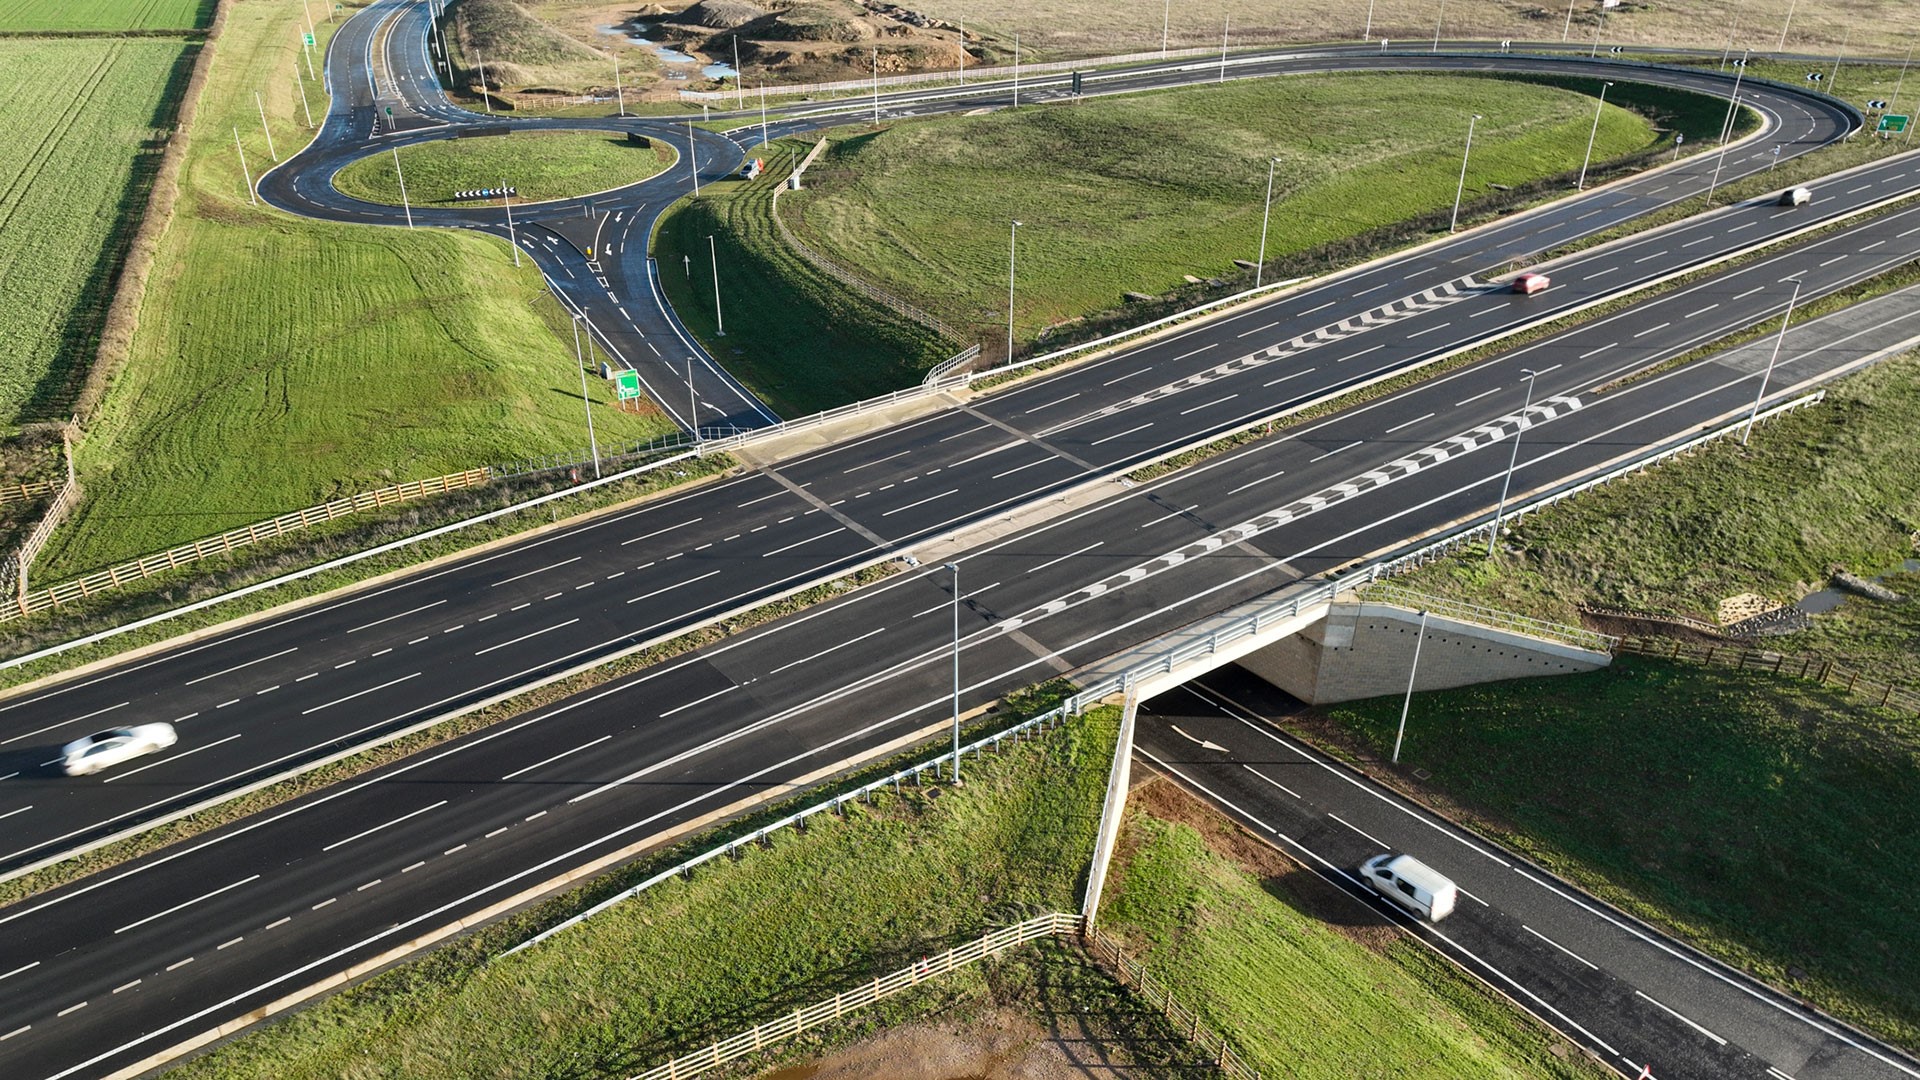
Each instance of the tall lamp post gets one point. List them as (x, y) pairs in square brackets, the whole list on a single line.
[(513, 238), (1461, 188), (719, 320), (1013, 247), (1437, 23), (1500, 509), (955, 569), (1412, 673), (1768, 377), (1591, 136), (1266, 215), (580, 362)]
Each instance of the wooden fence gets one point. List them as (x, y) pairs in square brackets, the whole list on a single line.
[(37, 489), (1134, 974), (1881, 692), (837, 1006), (29, 602)]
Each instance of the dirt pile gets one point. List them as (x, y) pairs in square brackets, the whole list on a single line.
[(807, 40)]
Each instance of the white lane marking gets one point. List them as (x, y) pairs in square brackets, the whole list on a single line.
[(323, 903), (1702, 311), (179, 964), (660, 532), (551, 760), (1778, 1073), (457, 847), (187, 904), (669, 588), (1271, 780), (226, 944), (1429, 330), (390, 618), (415, 866), (281, 921), (1737, 228), (1192, 352), (1330, 453), (526, 637), (1064, 558), (700, 701), (418, 640), (1358, 355), (18, 970), (922, 502), (1476, 397), (1692, 243), (1238, 490), (1598, 351), (823, 652), (71, 1009), (1127, 376), (237, 667), (1364, 833), (1562, 948), (368, 690), (127, 986), (368, 885), (876, 461), (168, 760), (1122, 434), (808, 540), (1257, 329), (1375, 289), (1022, 468), (9, 814), (1653, 329), (761, 499), (1284, 378), (1322, 307), (1750, 292), (1648, 258), (530, 573), (16, 1031), (1835, 259), (1409, 423), (62, 723), (1209, 405), (1681, 1018), (1050, 404), (377, 828)]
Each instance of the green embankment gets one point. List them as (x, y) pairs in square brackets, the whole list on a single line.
[(1763, 818), (1306, 981), (801, 340), (75, 170), (281, 361), (737, 944), (1833, 484), (105, 15), (540, 165)]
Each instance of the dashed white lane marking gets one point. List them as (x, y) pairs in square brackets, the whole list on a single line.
[(823, 652), (362, 693), (1681, 1018), (1122, 434), (62, 723), (323, 903), (237, 667), (126, 986), (1702, 311), (281, 921), (16, 1031), (1064, 558), (530, 573), (368, 885), (1271, 780), (415, 866), (525, 637), (9, 814), (168, 759), (377, 828), (867, 465), (1835, 259), (808, 540), (390, 618), (1209, 405), (670, 588), (1409, 423), (71, 1009), (457, 847), (551, 760), (418, 640), (1330, 453), (1562, 948), (660, 532), (1022, 468), (922, 502), (1241, 488), (699, 701), (187, 904), (1476, 397), (1297, 374), (531, 817), (1361, 831), (1127, 376), (1653, 329), (18, 970)]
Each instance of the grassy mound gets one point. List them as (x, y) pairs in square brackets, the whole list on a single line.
[(542, 165)]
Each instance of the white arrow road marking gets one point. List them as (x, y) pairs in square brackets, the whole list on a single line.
[(1202, 743)]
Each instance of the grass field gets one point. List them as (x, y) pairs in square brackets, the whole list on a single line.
[(1759, 816), (74, 174), (541, 165), (737, 944), (1059, 28), (1130, 195), (1307, 981), (18, 15), (280, 361), (802, 341), (1832, 484)]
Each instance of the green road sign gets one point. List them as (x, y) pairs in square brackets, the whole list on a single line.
[(309, 40), (627, 384), (1894, 124)]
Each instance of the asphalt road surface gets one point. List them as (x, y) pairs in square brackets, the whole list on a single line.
[(1602, 978)]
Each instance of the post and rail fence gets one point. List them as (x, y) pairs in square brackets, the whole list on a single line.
[(1134, 974), (1882, 693), (32, 489)]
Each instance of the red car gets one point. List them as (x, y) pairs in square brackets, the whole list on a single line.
[(1528, 284)]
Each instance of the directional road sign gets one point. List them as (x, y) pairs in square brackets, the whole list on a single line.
[(308, 38), (1894, 124), (1876, 103), (626, 384)]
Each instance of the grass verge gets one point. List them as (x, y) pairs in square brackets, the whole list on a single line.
[(541, 165), (1781, 807), (736, 944), (279, 361), (1306, 981)]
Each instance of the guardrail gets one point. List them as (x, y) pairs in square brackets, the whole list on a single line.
[(827, 1010), (1577, 636), (35, 600)]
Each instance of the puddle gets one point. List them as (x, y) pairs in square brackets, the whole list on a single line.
[(667, 54), (1821, 601)]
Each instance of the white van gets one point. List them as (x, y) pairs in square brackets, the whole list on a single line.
[(1796, 196), (1412, 884)]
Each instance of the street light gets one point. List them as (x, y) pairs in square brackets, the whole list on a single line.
[(693, 164), (581, 363), (402, 177), (1259, 268), (955, 568), (1461, 188), (1166, 22), (1013, 247), (1366, 34), (513, 238), (1768, 377), (1437, 23), (1500, 509), (1411, 674), (1785, 25), (1592, 135), (719, 320)]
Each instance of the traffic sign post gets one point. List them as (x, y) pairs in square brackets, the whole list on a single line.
[(1894, 124)]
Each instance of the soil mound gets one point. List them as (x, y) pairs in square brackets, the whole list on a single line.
[(722, 14)]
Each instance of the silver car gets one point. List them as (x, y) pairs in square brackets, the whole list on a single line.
[(84, 757)]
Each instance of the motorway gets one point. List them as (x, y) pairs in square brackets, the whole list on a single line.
[(1606, 981), (206, 932)]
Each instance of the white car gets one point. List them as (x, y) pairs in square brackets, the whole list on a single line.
[(84, 757)]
